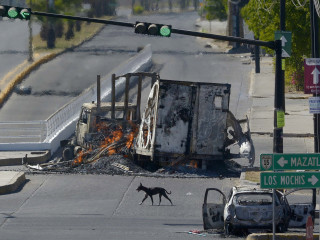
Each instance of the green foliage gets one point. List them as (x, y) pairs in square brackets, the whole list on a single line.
[(138, 9), (215, 9), (53, 27), (263, 18)]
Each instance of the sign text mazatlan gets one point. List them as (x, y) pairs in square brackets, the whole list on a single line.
[(293, 161)]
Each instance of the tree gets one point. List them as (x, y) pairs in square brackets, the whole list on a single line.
[(215, 9), (263, 18), (52, 25), (102, 7)]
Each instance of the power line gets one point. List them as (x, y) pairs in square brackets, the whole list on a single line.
[(298, 4), (263, 5)]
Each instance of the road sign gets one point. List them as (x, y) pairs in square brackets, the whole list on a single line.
[(314, 105), (290, 180), (311, 75), (286, 39), (290, 161)]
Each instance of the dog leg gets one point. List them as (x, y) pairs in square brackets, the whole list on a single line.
[(166, 196), (145, 197), (151, 199), (159, 199)]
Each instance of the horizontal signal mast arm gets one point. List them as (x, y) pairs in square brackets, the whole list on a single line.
[(123, 24), (270, 44)]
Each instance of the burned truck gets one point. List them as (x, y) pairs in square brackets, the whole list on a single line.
[(98, 120), (181, 121), (185, 121)]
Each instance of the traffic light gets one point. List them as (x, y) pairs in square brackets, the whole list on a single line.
[(15, 12), (153, 29)]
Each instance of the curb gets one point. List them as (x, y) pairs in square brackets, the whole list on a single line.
[(36, 157), (18, 78), (288, 236), (302, 135), (14, 183)]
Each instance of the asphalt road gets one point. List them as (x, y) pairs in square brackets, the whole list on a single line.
[(14, 42), (177, 58), (103, 207)]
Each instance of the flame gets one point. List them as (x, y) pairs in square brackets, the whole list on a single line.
[(193, 164), (117, 139), (79, 158)]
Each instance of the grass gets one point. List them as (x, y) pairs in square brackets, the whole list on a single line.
[(253, 176), (87, 31)]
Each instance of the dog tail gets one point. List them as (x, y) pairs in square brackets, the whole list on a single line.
[(168, 192)]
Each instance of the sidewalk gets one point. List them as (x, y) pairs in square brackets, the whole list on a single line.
[(298, 120)]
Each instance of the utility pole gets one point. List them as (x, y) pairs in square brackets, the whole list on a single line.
[(30, 59), (315, 54)]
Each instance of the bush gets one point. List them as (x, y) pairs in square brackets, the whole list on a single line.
[(138, 9)]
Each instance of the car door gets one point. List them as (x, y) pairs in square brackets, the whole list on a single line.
[(300, 202), (213, 208)]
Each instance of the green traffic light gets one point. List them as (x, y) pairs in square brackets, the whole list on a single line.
[(12, 12), (165, 31), (25, 13)]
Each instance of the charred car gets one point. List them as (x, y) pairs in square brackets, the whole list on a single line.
[(248, 208)]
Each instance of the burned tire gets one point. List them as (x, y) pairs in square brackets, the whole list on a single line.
[(228, 229), (67, 154), (281, 228)]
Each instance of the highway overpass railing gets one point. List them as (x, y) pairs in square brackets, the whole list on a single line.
[(47, 134)]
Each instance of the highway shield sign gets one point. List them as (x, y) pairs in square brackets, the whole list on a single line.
[(286, 180)]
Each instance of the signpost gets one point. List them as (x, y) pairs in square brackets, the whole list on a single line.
[(311, 75), (289, 161), (287, 180)]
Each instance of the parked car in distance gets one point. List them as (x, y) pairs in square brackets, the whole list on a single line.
[(23, 90), (249, 207)]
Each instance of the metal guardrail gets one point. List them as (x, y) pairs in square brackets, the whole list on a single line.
[(60, 123)]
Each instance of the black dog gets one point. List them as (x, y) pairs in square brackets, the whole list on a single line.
[(153, 191)]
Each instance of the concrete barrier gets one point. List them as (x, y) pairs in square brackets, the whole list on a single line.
[(61, 125)]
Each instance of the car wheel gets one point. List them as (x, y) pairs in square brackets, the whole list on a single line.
[(281, 228), (67, 154), (228, 229)]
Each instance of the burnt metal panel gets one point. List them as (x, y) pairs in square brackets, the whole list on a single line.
[(213, 103), (174, 115)]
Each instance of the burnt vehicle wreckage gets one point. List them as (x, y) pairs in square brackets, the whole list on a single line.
[(249, 207), (182, 122)]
